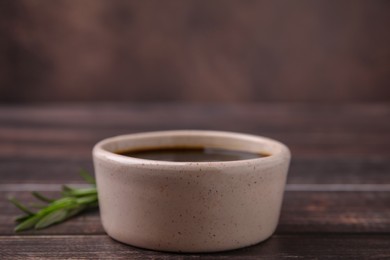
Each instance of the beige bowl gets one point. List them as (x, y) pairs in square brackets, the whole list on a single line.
[(190, 206)]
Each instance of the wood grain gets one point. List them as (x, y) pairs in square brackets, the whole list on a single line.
[(347, 143), (302, 212), (279, 246), (340, 131), (322, 118), (302, 170), (337, 193)]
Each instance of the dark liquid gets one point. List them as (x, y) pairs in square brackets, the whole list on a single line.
[(191, 154)]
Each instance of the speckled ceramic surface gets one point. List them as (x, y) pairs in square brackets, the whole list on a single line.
[(190, 207)]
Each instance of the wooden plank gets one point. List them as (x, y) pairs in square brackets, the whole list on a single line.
[(44, 146), (54, 143), (309, 130), (55, 151), (322, 170), (337, 212), (277, 118), (59, 136), (45, 171), (279, 246), (303, 149), (339, 170), (302, 212)]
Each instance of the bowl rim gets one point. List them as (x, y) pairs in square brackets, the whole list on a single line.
[(280, 151)]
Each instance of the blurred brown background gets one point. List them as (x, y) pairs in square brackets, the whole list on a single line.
[(201, 51)]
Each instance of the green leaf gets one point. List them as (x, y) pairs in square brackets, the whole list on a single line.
[(65, 202), (22, 218), (82, 192), (27, 224), (87, 199), (72, 202), (75, 211), (20, 206), (51, 218), (41, 197)]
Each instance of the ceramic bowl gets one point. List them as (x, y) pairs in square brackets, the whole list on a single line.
[(190, 206)]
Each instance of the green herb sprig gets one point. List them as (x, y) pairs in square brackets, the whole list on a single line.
[(72, 202)]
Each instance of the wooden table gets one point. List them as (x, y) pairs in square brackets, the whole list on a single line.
[(337, 200)]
